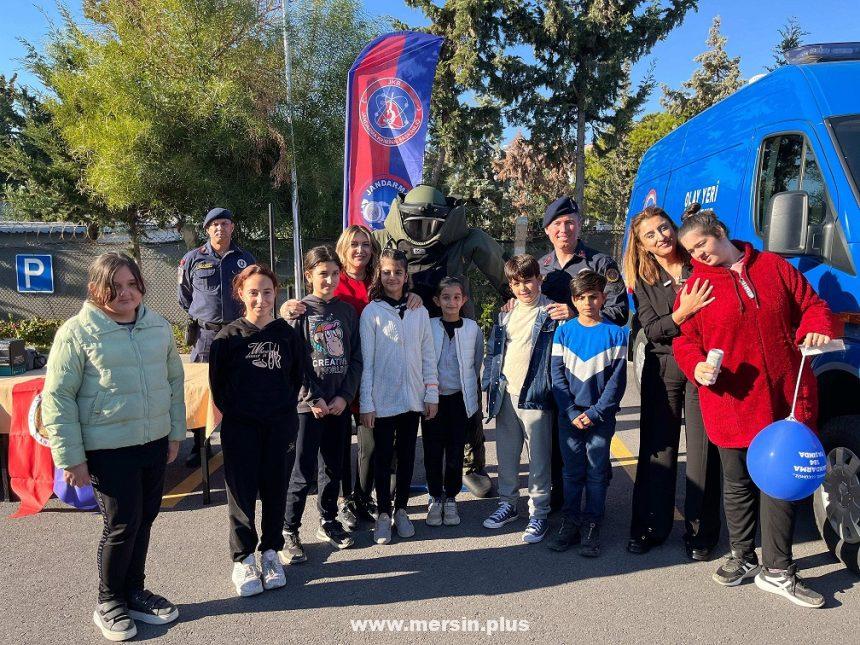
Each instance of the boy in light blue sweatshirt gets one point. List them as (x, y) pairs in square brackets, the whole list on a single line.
[(589, 374)]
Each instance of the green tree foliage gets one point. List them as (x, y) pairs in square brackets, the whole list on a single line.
[(610, 173), (326, 38), (41, 179), (173, 106), (791, 35), (582, 53), (718, 76), (465, 131)]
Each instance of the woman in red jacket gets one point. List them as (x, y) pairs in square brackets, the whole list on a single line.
[(763, 309)]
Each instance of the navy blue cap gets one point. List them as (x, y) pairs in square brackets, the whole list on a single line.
[(561, 206), (217, 213)]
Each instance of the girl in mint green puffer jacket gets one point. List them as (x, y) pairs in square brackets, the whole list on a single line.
[(114, 408)]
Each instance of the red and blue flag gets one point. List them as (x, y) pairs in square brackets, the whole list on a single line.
[(387, 109)]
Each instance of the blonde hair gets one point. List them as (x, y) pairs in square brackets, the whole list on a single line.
[(639, 263), (101, 274), (344, 242)]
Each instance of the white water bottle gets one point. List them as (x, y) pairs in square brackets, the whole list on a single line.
[(715, 360)]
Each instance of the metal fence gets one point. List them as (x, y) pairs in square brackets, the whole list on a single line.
[(73, 251)]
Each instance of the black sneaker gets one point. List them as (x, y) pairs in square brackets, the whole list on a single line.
[(736, 569), (789, 585), (567, 536), (333, 533), (114, 622), (348, 515), (590, 540), (151, 608), (364, 510), (698, 553), (293, 551)]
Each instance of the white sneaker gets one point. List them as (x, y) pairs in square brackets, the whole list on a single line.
[(434, 512), (246, 577), (450, 515), (273, 570), (382, 530), (403, 524)]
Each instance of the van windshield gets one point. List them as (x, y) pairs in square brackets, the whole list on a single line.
[(847, 131)]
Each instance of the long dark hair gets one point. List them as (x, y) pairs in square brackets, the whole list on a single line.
[(320, 255), (376, 290)]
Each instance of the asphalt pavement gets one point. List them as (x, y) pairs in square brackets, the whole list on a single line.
[(449, 581)]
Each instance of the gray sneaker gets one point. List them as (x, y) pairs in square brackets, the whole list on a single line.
[(293, 552), (736, 569), (450, 516), (114, 622), (382, 530), (434, 512), (272, 571), (789, 585), (402, 524)]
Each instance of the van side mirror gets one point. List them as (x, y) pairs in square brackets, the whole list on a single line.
[(787, 223)]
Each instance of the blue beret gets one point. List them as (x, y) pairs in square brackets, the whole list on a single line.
[(217, 213), (561, 206)]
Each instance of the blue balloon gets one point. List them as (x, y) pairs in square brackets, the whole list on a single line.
[(787, 461)]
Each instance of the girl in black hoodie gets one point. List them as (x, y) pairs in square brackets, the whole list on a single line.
[(256, 367), (329, 329)]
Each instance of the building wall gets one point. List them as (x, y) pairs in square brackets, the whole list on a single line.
[(72, 256)]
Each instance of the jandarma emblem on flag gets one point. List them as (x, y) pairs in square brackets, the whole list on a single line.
[(34, 422), (390, 111)]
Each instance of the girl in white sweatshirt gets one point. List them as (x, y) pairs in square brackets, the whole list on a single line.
[(398, 385)]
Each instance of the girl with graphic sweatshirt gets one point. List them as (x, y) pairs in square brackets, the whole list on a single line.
[(329, 329), (398, 384), (256, 366)]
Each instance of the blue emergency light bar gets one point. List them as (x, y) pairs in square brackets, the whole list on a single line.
[(823, 52)]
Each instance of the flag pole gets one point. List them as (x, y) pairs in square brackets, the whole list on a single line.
[(297, 240)]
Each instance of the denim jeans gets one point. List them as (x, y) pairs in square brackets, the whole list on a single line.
[(585, 454)]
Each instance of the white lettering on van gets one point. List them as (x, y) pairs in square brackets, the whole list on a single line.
[(704, 196)]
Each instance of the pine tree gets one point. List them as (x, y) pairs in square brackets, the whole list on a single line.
[(718, 76), (583, 51), (790, 36)]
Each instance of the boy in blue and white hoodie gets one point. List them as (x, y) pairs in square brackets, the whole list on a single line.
[(589, 375)]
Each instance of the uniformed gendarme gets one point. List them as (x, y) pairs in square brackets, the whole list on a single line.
[(562, 223), (205, 281)]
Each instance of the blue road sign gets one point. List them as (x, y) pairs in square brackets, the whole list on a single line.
[(35, 273)]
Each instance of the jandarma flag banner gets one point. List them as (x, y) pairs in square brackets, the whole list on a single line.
[(387, 109), (31, 468)]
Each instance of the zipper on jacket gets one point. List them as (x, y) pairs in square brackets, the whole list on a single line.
[(142, 383)]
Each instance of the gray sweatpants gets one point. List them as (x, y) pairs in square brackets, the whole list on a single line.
[(534, 428)]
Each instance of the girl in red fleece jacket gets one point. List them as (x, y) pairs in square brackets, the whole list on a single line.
[(763, 309)]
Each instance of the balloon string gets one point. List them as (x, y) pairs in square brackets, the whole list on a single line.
[(797, 387)]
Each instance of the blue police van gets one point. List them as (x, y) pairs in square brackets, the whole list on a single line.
[(779, 162)]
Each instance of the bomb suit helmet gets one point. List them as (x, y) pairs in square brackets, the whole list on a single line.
[(423, 212)]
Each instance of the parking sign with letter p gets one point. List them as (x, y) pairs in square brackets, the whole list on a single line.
[(35, 273)]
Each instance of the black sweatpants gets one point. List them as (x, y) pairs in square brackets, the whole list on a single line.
[(744, 503), (394, 436), (128, 484), (666, 392), (444, 437), (258, 458), (359, 489), (319, 456)]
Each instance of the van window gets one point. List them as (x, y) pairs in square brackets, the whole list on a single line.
[(788, 163), (847, 130)]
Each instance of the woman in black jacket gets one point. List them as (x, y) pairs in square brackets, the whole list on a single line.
[(656, 267)]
